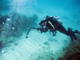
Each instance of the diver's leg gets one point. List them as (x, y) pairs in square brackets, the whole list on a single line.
[(74, 36), (76, 31), (71, 38), (62, 29)]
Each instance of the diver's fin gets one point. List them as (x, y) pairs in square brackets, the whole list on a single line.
[(76, 31)]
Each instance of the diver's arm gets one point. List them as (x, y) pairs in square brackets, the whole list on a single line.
[(42, 29), (30, 29)]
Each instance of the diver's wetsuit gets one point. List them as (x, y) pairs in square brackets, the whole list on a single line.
[(59, 27)]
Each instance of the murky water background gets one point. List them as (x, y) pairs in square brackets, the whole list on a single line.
[(20, 15)]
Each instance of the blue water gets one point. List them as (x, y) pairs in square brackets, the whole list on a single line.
[(23, 14)]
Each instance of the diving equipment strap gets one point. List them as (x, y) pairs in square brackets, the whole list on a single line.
[(51, 25)]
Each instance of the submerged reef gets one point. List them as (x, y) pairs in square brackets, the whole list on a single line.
[(13, 25), (72, 52)]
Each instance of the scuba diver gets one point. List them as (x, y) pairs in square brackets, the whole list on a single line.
[(54, 24)]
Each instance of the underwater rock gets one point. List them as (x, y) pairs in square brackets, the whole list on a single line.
[(61, 58), (16, 24), (72, 52), (75, 56)]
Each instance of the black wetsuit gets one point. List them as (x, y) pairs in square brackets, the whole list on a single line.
[(59, 27)]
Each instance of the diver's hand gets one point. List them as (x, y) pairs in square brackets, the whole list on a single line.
[(27, 36)]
